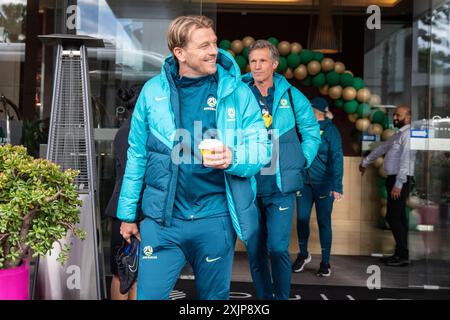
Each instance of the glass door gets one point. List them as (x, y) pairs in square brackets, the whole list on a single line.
[(430, 145)]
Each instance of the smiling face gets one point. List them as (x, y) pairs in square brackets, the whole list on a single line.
[(402, 116), (198, 57), (262, 65)]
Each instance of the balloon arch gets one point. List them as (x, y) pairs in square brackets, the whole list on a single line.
[(348, 92)]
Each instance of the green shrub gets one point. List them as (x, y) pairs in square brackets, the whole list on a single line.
[(38, 205)]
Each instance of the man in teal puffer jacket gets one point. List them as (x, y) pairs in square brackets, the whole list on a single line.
[(289, 118), (191, 203)]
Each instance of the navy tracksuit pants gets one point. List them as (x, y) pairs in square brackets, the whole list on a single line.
[(207, 244), (323, 199), (276, 215)]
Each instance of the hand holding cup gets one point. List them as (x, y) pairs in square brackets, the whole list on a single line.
[(215, 154)]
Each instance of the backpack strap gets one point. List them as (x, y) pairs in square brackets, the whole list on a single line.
[(293, 110)]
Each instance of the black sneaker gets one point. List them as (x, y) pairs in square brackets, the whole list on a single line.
[(300, 263), (324, 270), (397, 262), (388, 258), (127, 260)]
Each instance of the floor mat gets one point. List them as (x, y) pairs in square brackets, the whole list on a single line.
[(185, 289)]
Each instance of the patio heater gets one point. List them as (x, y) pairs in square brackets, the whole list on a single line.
[(71, 145)]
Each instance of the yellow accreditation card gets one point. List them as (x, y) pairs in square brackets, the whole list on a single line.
[(267, 120)]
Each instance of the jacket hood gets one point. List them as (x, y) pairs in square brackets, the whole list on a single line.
[(280, 82), (227, 68)]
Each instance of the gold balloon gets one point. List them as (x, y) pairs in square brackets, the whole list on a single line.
[(335, 92), (247, 68), (378, 162), (339, 67), (248, 41), (284, 48), (383, 211), (387, 133), (324, 90), (288, 73), (363, 95), (300, 72), (383, 109), (349, 93), (413, 202), (231, 52), (349, 72), (362, 124), (327, 64), (356, 147), (296, 47), (376, 129), (381, 172), (314, 67), (352, 117), (237, 46), (374, 100)]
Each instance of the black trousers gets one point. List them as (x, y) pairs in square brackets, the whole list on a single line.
[(396, 215)]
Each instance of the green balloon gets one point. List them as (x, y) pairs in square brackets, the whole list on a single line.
[(382, 223), (282, 65), (306, 81), (293, 60), (273, 41), (225, 44), (318, 56), (319, 80), (346, 80), (363, 110), (306, 56), (358, 83), (382, 192), (339, 103), (333, 78), (388, 122), (381, 182), (241, 61), (351, 106), (245, 53), (378, 116)]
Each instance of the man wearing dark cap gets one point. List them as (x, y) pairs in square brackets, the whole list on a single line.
[(323, 185)]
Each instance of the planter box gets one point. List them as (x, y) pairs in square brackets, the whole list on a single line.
[(14, 282)]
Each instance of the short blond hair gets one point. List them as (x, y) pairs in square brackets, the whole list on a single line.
[(181, 28)]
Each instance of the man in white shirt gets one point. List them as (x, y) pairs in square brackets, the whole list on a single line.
[(398, 183)]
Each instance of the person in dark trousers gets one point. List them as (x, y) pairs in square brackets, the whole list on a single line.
[(287, 115), (323, 186), (399, 183), (120, 147)]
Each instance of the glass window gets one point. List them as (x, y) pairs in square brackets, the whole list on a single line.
[(12, 56)]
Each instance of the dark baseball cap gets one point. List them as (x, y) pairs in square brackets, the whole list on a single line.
[(319, 103)]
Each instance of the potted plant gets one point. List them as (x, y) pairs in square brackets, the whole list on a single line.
[(38, 205)]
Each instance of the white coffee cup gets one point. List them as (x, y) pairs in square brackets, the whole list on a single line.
[(206, 146)]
